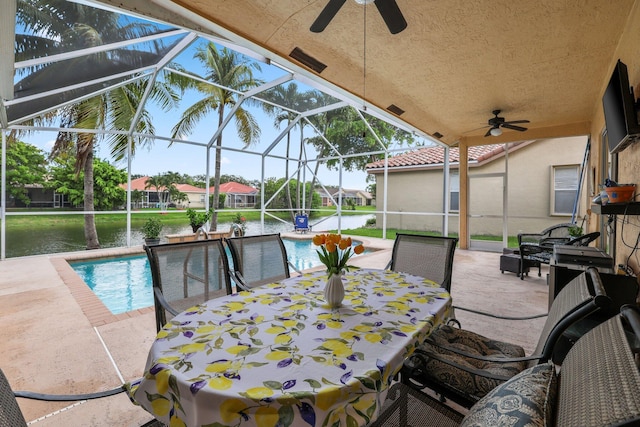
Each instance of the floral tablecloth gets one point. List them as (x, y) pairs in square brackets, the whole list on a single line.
[(279, 356)]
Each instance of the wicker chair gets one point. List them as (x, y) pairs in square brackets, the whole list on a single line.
[(430, 257), (185, 274), (597, 386), (10, 413), (464, 366), (258, 260)]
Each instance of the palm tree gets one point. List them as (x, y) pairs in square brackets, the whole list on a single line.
[(54, 26), (288, 97), (227, 70), (165, 185)]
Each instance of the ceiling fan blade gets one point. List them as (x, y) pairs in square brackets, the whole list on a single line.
[(510, 126), (326, 15), (517, 121), (392, 15), (488, 132)]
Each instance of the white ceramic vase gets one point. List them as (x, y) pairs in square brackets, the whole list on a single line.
[(334, 291)]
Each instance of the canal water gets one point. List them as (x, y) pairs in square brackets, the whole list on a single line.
[(69, 238)]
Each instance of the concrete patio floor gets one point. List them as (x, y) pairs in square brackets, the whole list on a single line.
[(57, 337)]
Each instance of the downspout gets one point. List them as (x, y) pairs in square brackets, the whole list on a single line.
[(464, 194), (446, 193)]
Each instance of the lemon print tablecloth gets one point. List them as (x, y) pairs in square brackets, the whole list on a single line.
[(278, 356)]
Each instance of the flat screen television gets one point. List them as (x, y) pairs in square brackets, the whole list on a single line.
[(620, 114)]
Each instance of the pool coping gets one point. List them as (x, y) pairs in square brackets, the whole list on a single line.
[(94, 309)]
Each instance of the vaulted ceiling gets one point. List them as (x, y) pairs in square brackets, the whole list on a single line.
[(457, 60)]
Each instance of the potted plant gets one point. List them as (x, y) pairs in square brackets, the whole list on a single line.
[(198, 219), (151, 230)]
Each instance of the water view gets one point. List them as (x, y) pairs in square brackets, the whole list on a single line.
[(125, 283), (67, 238)]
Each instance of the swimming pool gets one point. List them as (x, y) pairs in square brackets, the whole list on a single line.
[(124, 284)]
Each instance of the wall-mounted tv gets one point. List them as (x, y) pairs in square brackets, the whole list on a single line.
[(620, 110)]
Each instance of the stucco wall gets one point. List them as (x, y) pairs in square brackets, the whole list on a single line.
[(529, 191), (628, 160)]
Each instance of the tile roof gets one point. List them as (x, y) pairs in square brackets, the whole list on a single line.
[(228, 187), (236, 188), (435, 156)]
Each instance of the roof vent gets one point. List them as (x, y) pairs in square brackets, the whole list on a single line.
[(438, 135), (395, 110), (307, 60)]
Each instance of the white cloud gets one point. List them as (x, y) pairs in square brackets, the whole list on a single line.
[(225, 160)]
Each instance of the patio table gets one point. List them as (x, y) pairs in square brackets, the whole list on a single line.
[(279, 356)]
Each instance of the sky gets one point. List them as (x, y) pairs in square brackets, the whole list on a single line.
[(189, 159)]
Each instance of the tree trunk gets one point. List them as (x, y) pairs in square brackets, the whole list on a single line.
[(90, 232), (216, 180)]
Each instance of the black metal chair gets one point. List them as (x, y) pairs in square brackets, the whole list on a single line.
[(258, 260), (464, 366), (597, 385), (584, 240), (430, 257), (185, 274)]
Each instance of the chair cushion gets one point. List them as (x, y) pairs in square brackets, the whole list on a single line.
[(527, 399), (472, 386)]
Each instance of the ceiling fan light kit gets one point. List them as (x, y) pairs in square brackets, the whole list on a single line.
[(388, 9), (496, 123)]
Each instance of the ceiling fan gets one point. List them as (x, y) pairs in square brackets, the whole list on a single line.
[(388, 9), (497, 122)]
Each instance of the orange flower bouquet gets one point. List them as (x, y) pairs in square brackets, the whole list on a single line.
[(335, 251)]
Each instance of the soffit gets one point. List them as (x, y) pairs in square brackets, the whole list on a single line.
[(545, 61)]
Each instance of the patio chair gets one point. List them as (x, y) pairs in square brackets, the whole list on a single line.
[(537, 248), (430, 257), (597, 385), (258, 260), (186, 274), (533, 255), (301, 224), (10, 413), (463, 366)]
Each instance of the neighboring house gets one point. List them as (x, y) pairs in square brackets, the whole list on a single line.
[(238, 195), (541, 177), (331, 194), (149, 195), (40, 198)]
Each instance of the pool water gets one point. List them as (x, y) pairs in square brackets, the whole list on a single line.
[(125, 284)]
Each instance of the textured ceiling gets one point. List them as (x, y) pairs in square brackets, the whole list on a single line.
[(546, 61)]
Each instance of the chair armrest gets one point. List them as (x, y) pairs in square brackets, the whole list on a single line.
[(497, 316), (496, 359), (414, 372), (531, 238), (293, 267), (236, 276), (163, 302), (68, 397)]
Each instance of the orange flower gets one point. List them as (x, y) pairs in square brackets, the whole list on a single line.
[(318, 239), (344, 244), (335, 252)]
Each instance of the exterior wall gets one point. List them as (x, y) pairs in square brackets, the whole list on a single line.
[(628, 51), (529, 197)]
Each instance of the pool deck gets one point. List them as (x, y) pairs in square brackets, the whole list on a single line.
[(58, 337)]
